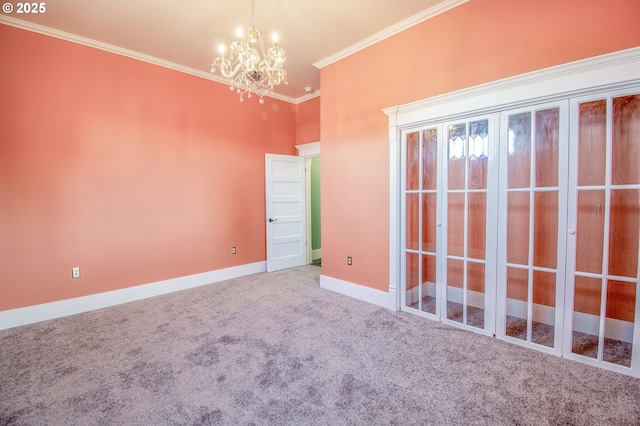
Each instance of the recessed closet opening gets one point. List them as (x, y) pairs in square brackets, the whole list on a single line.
[(516, 210)]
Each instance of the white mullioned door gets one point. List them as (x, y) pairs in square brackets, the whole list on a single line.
[(602, 303), (421, 226), (469, 223), (532, 237), (449, 205)]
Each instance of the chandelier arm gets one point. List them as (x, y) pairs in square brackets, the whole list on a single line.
[(235, 70), (226, 66)]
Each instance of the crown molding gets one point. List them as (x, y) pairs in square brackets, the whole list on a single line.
[(439, 8), (562, 81), (52, 32), (308, 97)]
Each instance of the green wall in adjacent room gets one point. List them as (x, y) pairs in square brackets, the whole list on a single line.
[(316, 243)]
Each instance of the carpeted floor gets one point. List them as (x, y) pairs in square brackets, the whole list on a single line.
[(275, 349)]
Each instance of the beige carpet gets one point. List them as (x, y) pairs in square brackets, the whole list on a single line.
[(274, 349)]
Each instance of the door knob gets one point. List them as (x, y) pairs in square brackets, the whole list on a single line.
[(272, 220)]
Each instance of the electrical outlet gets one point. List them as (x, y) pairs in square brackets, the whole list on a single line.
[(233, 250), (349, 261), (75, 272)]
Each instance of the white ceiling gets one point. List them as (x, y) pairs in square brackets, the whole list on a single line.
[(187, 33)]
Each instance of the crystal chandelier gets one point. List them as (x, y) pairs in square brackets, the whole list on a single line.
[(248, 68)]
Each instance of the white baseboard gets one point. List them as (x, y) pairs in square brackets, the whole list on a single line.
[(541, 313), (357, 291), (316, 254), (613, 328), (46, 311), (455, 294), (584, 323), (393, 301), (428, 289)]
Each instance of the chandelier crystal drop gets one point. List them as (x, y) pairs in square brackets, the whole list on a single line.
[(249, 68)]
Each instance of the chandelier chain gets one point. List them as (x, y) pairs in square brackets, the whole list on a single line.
[(253, 13)]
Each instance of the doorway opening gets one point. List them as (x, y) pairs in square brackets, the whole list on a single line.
[(311, 153)]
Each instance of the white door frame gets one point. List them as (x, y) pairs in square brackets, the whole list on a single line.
[(308, 151)]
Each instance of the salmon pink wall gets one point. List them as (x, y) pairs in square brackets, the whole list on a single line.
[(133, 172), (477, 42), (308, 121)]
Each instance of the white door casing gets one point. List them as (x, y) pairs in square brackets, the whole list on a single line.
[(309, 151), (285, 211)]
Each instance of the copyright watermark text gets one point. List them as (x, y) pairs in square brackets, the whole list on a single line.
[(21, 8)]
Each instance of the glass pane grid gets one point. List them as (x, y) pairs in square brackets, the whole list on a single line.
[(605, 288), (532, 173), (593, 204), (457, 223), (466, 192), (421, 189)]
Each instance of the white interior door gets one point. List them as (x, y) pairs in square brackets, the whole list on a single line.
[(285, 197)]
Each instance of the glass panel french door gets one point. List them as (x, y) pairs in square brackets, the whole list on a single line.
[(420, 203), (526, 223), (449, 205), (469, 218), (531, 261), (604, 232)]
